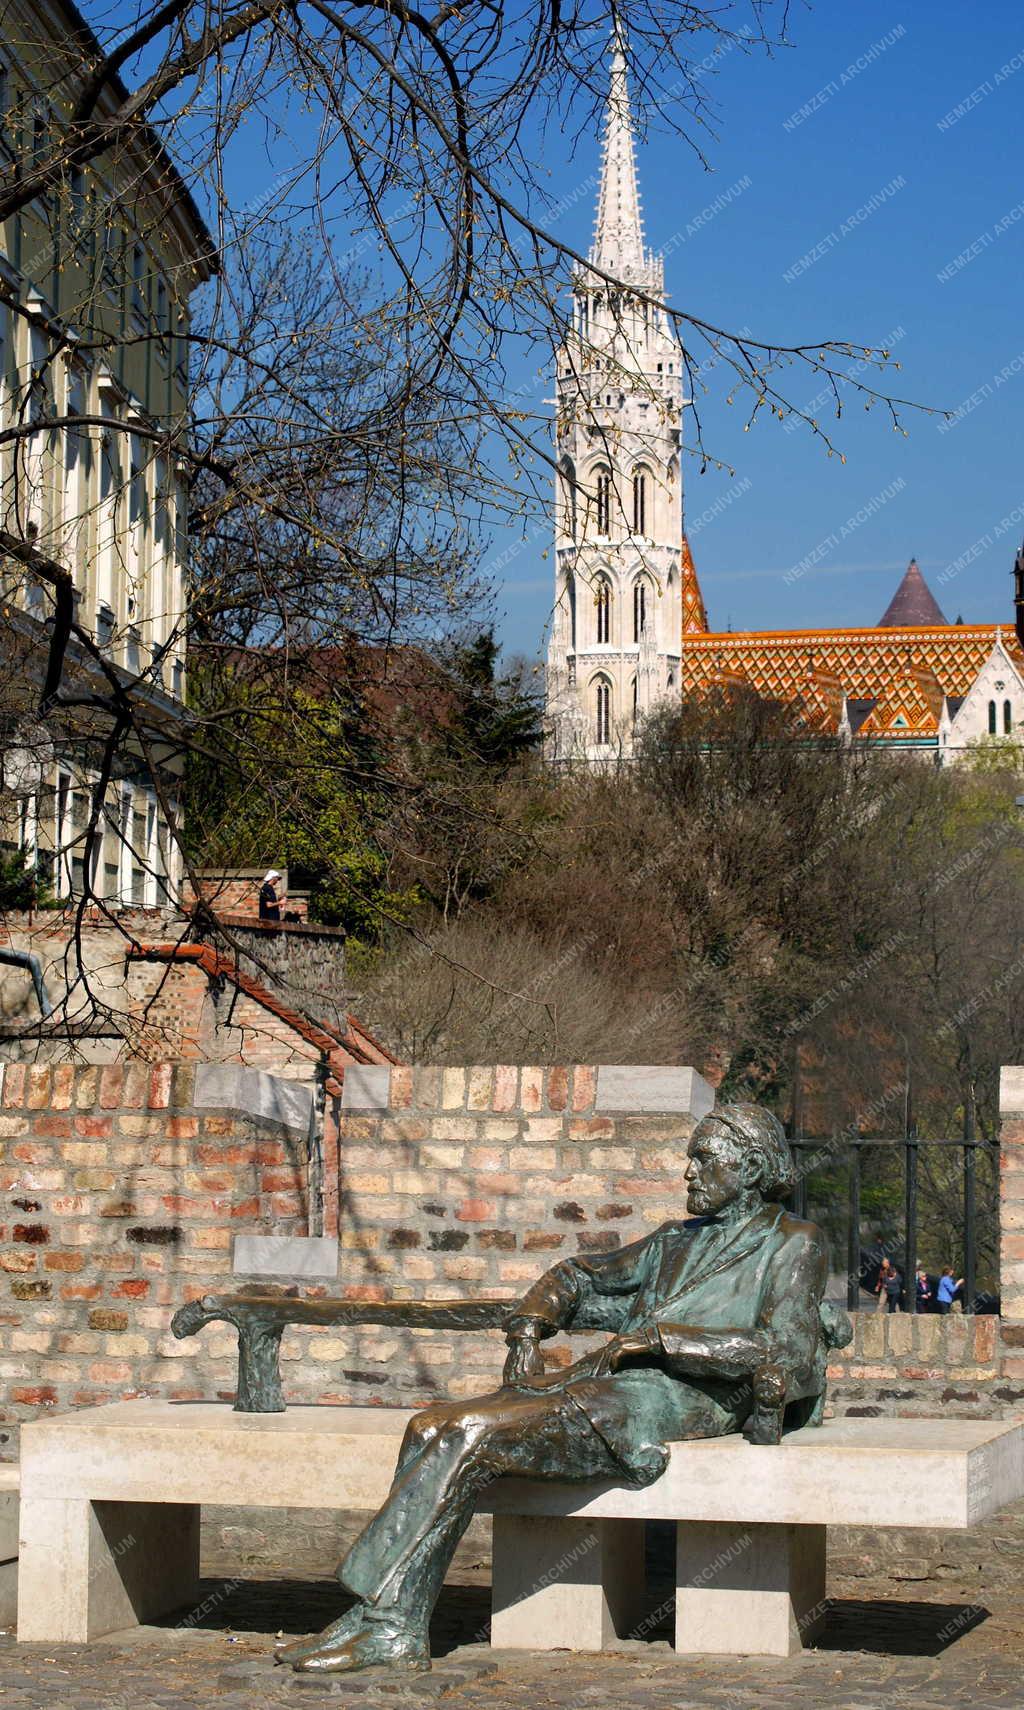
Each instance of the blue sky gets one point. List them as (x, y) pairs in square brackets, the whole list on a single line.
[(953, 498)]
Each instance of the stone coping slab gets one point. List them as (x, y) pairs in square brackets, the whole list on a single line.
[(881, 1472)]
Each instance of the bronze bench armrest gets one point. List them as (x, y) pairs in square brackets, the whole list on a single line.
[(260, 1320)]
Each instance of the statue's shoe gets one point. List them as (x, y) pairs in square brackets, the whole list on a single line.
[(378, 1644), (338, 1633)]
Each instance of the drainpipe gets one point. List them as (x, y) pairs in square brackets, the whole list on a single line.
[(25, 959)]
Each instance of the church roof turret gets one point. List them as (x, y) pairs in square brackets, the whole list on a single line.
[(913, 605), (695, 617)]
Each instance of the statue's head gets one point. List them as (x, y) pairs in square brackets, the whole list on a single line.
[(736, 1149)]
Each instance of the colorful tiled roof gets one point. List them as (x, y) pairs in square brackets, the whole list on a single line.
[(899, 676), (695, 618)]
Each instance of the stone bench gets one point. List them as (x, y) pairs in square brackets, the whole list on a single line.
[(110, 1502), (10, 1479)]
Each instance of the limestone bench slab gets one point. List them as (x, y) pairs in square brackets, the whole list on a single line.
[(110, 1501), (9, 1484)]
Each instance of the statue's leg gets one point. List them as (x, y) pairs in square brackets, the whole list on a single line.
[(421, 1430), (397, 1566)]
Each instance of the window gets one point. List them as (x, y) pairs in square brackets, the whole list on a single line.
[(603, 731), (584, 316), (62, 832), (604, 502), (639, 608), (636, 700), (604, 611), (76, 201), (73, 499), (640, 502), (1007, 719), (992, 718), (138, 284), (568, 485), (162, 311)]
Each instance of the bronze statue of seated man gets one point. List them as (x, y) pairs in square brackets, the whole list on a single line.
[(716, 1326)]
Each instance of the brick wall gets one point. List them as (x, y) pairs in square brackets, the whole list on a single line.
[(157, 1010), (122, 1189), (120, 1193)]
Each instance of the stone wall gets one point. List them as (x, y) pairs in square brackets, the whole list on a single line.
[(304, 963)]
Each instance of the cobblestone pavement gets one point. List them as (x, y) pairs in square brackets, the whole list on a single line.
[(936, 1629)]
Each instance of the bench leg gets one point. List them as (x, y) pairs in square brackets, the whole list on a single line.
[(89, 1568), (565, 1584), (748, 1590)]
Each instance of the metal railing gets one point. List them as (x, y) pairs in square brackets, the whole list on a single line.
[(851, 1152)]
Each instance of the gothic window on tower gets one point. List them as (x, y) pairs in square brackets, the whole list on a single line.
[(640, 501), (991, 718), (604, 502), (636, 700), (1007, 719), (603, 728), (639, 608), (603, 600), (568, 485)]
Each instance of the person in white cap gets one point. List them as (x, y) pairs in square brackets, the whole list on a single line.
[(271, 900)]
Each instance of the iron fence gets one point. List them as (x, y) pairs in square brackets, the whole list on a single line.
[(860, 1261)]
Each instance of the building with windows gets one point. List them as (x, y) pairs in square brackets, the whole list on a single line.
[(630, 628), (95, 280), (615, 641)]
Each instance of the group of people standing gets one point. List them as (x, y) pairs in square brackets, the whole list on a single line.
[(889, 1289)]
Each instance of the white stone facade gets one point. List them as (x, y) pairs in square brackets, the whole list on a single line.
[(991, 712), (616, 630)]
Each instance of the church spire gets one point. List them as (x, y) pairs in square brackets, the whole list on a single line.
[(618, 244)]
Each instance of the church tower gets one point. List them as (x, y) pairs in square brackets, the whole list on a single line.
[(617, 626)]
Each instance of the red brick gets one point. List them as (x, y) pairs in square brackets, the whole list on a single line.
[(160, 1086), (584, 1087), (246, 1207), (506, 1077), (42, 1395), (279, 1181), (15, 1078), (267, 1152), (111, 1085), (476, 1211), (81, 1291), (63, 1086), (221, 1155), (110, 1371), (53, 1127), (401, 1087), (27, 1152), (985, 1329), (135, 1086), (38, 1097), (135, 1288), (181, 1128), (558, 1088), (94, 1127), (64, 1261)]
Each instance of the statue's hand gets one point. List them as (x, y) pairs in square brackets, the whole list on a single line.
[(524, 1359), (638, 1345)]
